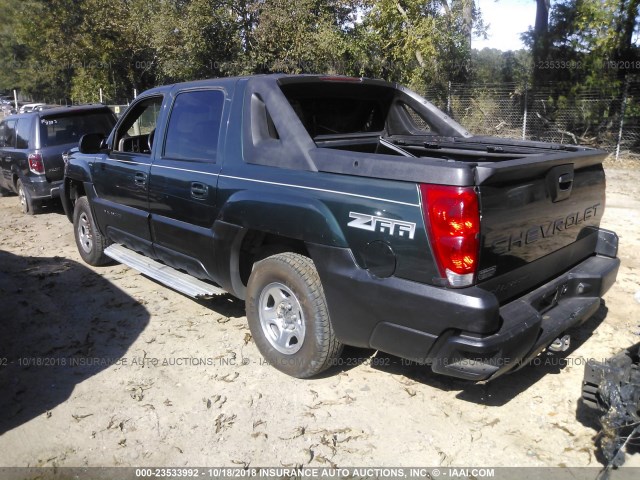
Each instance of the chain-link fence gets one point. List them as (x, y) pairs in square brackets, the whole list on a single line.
[(605, 119), (609, 120)]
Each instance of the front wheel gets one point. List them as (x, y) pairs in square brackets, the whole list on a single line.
[(288, 315), (89, 240), (28, 205)]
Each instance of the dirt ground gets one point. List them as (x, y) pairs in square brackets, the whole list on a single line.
[(104, 367)]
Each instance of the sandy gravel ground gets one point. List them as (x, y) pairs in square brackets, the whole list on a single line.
[(105, 367)]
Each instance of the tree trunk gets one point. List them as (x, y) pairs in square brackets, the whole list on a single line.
[(627, 14), (542, 17), (467, 21), (540, 40), (629, 9)]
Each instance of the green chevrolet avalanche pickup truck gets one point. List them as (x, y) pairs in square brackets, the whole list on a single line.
[(349, 211)]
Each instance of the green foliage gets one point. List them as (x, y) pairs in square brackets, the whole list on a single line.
[(490, 65), (416, 42), (42, 31), (10, 51), (296, 36), (72, 48), (588, 41), (86, 84), (191, 39)]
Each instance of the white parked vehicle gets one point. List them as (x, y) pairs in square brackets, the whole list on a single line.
[(30, 107)]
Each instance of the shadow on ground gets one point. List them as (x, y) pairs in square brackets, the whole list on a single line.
[(50, 207), (226, 305), (495, 393), (60, 323)]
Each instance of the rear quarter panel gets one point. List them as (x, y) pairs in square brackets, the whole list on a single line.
[(321, 208)]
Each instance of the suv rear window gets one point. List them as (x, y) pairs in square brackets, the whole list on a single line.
[(65, 129)]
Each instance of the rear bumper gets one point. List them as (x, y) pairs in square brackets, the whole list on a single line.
[(529, 324), (463, 333), (41, 189)]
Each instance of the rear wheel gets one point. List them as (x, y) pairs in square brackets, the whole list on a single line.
[(89, 240), (288, 315), (28, 205)]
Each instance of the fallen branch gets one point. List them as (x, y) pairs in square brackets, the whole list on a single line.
[(549, 123)]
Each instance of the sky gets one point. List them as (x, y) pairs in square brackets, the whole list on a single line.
[(507, 19)]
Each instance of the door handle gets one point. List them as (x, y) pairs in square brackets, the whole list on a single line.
[(559, 182), (140, 179), (565, 181), (199, 191)]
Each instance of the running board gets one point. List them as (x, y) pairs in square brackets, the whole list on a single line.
[(171, 277)]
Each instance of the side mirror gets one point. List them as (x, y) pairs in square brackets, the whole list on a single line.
[(91, 143)]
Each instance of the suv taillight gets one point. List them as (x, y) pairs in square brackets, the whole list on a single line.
[(35, 163), (452, 216)]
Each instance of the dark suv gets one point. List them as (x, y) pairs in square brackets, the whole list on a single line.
[(32, 144)]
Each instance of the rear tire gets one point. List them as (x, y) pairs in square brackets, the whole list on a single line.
[(90, 242), (28, 206), (288, 315)]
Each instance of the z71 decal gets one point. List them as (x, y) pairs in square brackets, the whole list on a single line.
[(372, 223)]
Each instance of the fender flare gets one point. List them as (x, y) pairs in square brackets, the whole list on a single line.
[(75, 171), (286, 215)]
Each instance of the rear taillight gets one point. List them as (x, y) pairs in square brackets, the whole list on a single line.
[(36, 164), (452, 216)]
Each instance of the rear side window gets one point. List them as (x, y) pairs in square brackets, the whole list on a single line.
[(67, 129), (8, 134), (327, 108), (194, 126), (23, 133), (418, 121), (327, 116)]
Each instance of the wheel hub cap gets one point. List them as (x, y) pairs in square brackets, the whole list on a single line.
[(281, 318), (84, 233)]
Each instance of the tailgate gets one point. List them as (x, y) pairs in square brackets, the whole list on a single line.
[(540, 216)]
